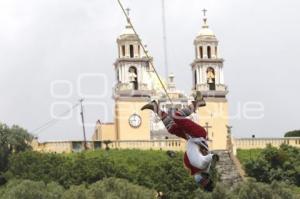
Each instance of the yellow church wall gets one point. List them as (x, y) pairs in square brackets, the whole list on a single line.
[(109, 132), (105, 131), (52, 147), (215, 113), (123, 110)]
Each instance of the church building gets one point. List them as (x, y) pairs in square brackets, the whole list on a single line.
[(135, 82)]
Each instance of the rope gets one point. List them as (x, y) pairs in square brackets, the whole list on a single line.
[(146, 53), (51, 122)]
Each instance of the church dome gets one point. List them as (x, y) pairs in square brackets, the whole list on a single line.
[(206, 31), (127, 33), (128, 30)]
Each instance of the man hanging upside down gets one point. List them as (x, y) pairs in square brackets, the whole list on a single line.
[(197, 157)]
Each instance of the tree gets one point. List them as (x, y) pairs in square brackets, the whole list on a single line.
[(54, 190), (108, 188), (12, 140), (280, 164), (295, 133), (152, 169), (255, 190), (76, 192), (118, 188), (27, 189)]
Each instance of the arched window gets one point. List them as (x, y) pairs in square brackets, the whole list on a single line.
[(123, 50), (211, 81), (195, 79), (133, 78), (118, 75), (139, 51), (131, 51), (208, 52), (201, 51)]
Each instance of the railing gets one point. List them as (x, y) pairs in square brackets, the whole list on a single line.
[(129, 87), (75, 146), (205, 87), (170, 144), (252, 143)]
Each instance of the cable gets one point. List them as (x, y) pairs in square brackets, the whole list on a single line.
[(146, 53), (51, 122)]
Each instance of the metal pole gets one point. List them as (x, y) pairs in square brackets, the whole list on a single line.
[(83, 127), (165, 38)]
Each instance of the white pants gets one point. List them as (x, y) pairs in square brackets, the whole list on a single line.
[(196, 158)]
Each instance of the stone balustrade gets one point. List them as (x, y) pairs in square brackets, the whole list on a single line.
[(77, 146), (159, 144), (129, 87), (170, 144), (260, 143), (205, 87)]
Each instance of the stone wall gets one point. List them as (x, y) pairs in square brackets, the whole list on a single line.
[(228, 168)]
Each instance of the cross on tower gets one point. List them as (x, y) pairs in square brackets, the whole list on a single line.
[(207, 127), (204, 12), (127, 11)]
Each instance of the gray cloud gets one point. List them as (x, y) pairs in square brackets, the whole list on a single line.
[(43, 41)]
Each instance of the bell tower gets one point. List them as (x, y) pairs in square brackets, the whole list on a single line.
[(133, 85), (208, 77)]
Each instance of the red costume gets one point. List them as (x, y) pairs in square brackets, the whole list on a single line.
[(186, 129), (197, 157)]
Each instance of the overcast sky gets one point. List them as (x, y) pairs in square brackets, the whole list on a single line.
[(60, 42)]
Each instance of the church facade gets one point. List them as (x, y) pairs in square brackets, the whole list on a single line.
[(136, 82)]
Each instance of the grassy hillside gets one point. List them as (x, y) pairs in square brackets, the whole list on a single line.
[(247, 154)]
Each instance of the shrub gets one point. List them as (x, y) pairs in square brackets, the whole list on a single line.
[(295, 133), (27, 189), (280, 164), (249, 190), (75, 192), (13, 139), (118, 188), (110, 188), (152, 169)]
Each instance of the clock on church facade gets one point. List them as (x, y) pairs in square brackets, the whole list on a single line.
[(135, 120)]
